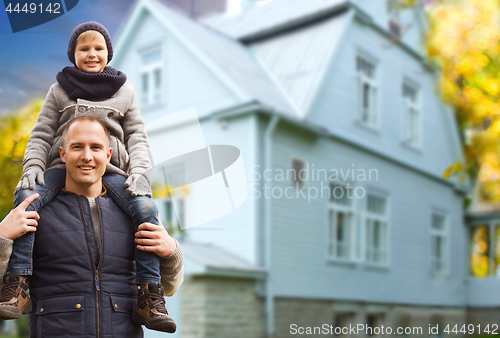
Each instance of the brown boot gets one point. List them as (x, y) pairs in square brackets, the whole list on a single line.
[(14, 301), (150, 310)]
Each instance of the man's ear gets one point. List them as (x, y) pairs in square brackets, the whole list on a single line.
[(61, 154), (108, 155)]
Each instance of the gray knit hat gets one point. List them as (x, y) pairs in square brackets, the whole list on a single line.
[(88, 26)]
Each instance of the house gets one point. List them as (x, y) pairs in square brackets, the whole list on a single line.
[(344, 139)]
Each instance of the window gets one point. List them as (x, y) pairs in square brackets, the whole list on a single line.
[(480, 250), (151, 76), (340, 223), (376, 229), (373, 324), (341, 321), (393, 11), (174, 216), (438, 243), (367, 91), (297, 179), (174, 176), (411, 115)]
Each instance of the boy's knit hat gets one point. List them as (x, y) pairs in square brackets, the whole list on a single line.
[(88, 26)]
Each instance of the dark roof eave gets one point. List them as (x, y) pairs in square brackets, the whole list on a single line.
[(285, 26)]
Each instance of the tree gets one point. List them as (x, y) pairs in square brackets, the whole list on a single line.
[(15, 129), (464, 40)]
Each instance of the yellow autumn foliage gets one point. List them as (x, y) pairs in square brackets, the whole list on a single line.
[(464, 40), (15, 129)]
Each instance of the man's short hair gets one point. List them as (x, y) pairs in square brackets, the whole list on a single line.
[(88, 118)]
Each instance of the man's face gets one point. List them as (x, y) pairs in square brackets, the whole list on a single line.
[(86, 152), (91, 53)]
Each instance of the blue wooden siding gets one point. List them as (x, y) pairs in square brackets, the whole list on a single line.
[(187, 83), (300, 266), (412, 21), (235, 231), (335, 106)]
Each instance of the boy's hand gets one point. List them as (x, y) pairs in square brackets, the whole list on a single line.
[(19, 221), (154, 238), (137, 185), (33, 174)]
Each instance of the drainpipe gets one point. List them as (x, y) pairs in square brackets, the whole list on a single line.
[(268, 233)]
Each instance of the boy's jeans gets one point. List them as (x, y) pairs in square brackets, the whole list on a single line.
[(141, 209)]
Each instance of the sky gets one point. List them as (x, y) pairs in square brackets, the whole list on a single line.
[(30, 59)]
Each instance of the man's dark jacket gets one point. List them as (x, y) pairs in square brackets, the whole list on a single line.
[(76, 291)]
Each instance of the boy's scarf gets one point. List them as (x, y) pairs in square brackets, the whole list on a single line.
[(90, 86)]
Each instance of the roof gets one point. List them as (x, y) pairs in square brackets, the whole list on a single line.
[(313, 48), (483, 209), (232, 58), (264, 18), (215, 260), (286, 87)]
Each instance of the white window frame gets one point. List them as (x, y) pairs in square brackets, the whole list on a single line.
[(368, 116), (346, 252), (154, 94), (439, 265), (370, 252), (412, 131), (177, 172)]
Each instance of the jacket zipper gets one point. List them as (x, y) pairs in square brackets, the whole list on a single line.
[(99, 264), (96, 280), (96, 275)]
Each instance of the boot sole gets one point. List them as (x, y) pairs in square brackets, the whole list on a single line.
[(7, 313), (168, 327)]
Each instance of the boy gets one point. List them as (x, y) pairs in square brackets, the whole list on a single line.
[(89, 88)]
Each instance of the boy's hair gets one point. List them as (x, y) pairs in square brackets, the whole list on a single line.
[(88, 118), (91, 34)]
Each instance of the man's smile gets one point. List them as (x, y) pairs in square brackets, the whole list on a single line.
[(85, 167)]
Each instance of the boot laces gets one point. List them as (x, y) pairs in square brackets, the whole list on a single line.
[(9, 291), (158, 302)]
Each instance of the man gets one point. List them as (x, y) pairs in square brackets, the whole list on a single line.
[(83, 281)]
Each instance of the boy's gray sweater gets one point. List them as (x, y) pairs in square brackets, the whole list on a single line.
[(121, 115)]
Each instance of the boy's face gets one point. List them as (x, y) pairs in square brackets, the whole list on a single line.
[(91, 53)]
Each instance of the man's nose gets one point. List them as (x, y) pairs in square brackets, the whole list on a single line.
[(87, 154)]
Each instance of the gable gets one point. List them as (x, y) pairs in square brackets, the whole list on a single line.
[(336, 105), (297, 60), (220, 74)]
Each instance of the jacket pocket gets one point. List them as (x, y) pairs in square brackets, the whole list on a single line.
[(119, 156), (60, 316), (121, 322)]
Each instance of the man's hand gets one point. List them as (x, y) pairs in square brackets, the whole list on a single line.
[(154, 238), (19, 221)]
